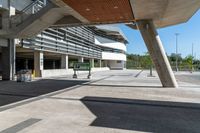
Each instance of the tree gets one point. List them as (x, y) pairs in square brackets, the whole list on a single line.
[(146, 61), (188, 60), (173, 56), (172, 60), (135, 61)]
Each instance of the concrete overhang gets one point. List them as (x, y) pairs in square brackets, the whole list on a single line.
[(162, 12), (165, 12)]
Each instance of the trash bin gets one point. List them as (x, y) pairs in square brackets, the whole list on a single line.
[(24, 76)]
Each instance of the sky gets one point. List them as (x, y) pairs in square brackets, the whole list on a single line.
[(189, 33)]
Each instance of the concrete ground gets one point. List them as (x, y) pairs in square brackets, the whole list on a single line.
[(112, 102)]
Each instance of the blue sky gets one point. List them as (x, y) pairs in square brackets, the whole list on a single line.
[(189, 33)]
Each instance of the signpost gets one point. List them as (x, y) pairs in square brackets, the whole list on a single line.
[(82, 67)]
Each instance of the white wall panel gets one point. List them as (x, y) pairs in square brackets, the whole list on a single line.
[(113, 56)]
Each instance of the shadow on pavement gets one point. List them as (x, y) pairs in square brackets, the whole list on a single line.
[(11, 91), (127, 86), (144, 115)]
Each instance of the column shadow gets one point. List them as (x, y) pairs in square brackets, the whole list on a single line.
[(11, 91), (144, 115)]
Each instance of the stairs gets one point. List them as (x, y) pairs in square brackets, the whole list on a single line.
[(33, 19)]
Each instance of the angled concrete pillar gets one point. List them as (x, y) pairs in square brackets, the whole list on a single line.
[(64, 61), (38, 63), (81, 59), (157, 53), (8, 60)]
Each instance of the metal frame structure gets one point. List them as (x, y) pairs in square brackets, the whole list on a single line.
[(78, 41)]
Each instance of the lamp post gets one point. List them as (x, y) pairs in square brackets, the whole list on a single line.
[(192, 56), (176, 34)]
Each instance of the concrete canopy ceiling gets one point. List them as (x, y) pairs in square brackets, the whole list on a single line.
[(165, 12), (103, 10), (162, 12)]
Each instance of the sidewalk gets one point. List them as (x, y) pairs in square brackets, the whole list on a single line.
[(112, 102)]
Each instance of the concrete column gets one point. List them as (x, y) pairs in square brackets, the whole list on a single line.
[(100, 63), (123, 64), (54, 64), (26, 64), (64, 61), (38, 63), (8, 60), (107, 63), (81, 59), (6, 16), (157, 53), (92, 63)]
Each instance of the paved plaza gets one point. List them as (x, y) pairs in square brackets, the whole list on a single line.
[(111, 102)]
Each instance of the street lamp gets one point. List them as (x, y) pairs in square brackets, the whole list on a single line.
[(192, 56), (176, 34)]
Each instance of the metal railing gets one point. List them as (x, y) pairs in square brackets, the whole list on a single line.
[(29, 10)]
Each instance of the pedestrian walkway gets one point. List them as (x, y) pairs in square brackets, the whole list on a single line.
[(112, 102)]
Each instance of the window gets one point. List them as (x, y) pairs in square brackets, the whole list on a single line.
[(119, 61)]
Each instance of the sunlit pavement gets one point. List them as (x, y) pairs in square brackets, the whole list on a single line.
[(111, 102)]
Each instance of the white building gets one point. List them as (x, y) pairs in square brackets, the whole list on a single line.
[(54, 51), (113, 46)]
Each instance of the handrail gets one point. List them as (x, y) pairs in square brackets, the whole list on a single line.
[(32, 8), (30, 5)]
